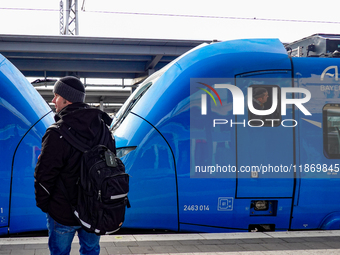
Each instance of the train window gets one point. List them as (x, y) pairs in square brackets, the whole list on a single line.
[(132, 101), (331, 130), (263, 100)]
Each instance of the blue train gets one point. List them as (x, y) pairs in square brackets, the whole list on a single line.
[(202, 155), (24, 119)]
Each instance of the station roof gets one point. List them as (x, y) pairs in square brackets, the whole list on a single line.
[(91, 57)]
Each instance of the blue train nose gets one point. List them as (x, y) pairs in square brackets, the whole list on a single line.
[(24, 119)]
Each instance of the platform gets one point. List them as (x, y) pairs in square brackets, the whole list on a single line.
[(294, 242)]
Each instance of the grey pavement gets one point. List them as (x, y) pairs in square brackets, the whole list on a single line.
[(293, 242)]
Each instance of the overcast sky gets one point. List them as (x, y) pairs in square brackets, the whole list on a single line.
[(128, 18)]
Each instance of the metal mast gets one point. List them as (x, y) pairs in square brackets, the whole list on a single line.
[(61, 15), (71, 22)]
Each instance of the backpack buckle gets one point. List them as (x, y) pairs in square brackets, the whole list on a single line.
[(110, 159)]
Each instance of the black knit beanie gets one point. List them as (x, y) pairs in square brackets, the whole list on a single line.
[(70, 88)]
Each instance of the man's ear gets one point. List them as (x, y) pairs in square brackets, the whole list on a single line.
[(67, 102)]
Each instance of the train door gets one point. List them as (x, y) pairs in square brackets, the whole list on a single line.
[(265, 153)]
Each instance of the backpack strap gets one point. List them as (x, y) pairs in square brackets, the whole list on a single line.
[(102, 139), (70, 138)]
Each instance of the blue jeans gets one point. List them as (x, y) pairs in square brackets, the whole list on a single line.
[(60, 239)]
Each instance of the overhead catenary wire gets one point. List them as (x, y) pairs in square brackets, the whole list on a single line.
[(214, 17), (183, 15)]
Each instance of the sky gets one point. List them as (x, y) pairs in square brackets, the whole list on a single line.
[(177, 19)]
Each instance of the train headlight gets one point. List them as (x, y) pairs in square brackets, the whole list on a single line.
[(121, 152), (261, 205)]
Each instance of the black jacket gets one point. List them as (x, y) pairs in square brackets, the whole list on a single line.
[(59, 161)]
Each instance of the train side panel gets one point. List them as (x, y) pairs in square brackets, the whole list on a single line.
[(230, 195), (153, 187), (25, 216), (318, 161)]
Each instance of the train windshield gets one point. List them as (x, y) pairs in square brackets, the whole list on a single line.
[(132, 100), (142, 88)]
